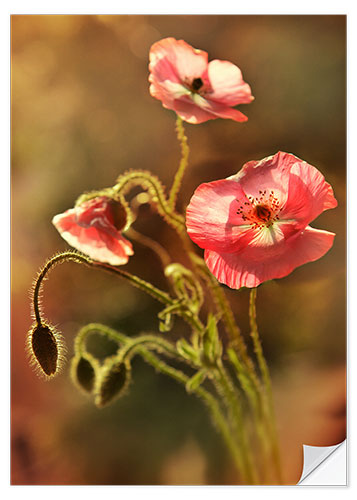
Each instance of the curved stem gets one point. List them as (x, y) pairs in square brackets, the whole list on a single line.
[(150, 243), (151, 183), (57, 259), (158, 294), (162, 367), (183, 162), (266, 378), (153, 341)]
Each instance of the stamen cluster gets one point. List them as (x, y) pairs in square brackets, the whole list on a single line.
[(260, 211)]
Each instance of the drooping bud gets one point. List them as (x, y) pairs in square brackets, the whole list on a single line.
[(46, 349), (114, 379), (83, 371)]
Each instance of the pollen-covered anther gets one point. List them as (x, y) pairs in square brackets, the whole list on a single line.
[(46, 349), (260, 210)]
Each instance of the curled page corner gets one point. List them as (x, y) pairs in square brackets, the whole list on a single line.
[(324, 465)]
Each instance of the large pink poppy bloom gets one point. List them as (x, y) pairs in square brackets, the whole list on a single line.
[(183, 80), (94, 228), (254, 225)]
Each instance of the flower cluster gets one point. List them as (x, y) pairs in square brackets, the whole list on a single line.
[(254, 226)]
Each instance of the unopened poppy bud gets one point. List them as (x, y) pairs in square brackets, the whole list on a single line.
[(113, 382), (45, 347), (83, 371)]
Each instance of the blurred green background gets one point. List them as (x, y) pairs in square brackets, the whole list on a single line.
[(81, 115)]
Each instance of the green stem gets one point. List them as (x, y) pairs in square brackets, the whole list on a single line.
[(183, 162), (266, 379), (225, 385), (208, 399), (150, 243), (162, 367), (158, 294), (153, 341), (150, 183), (53, 261), (153, 185)]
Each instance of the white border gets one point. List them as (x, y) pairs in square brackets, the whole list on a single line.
[(182, 7)]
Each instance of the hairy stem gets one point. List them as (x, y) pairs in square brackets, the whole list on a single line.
[(225, 385), (52, 262), (266, 379), (183, 163), (153, 185), (162, 367)]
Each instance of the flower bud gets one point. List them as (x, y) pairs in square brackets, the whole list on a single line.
[(45, 347), (83, 372), (114, 379)]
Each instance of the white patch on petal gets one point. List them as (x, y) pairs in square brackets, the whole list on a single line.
[(267, 236), (176, 89)]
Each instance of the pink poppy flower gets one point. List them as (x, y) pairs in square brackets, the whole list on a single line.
[(197, 90), (94, 228), (254, 225)]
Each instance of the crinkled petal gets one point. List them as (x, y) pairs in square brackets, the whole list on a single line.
[(228, 86), (238, 270), (197, 109), (100, 241), (271, 173), (212, 219), (181, 60), (218, 110), (191, 113), (308, 194)]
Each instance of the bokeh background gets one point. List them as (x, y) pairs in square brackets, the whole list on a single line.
[(81, 115)]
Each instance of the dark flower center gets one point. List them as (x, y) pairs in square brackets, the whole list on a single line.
[(196, 84), (262, 212)]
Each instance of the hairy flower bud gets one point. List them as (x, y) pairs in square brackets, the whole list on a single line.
[(114, 379), (45, 348), (83, 372)]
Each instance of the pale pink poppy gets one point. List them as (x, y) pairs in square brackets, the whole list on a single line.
[(197, 90), (94, 228), (254, 225)]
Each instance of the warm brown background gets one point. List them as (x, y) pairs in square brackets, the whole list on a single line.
[(82, 114)]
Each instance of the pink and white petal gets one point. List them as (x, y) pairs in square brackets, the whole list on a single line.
[(218, 110), (98, 245), (186, 109), (188, 63), (63, 222), (271, 173), (308, 194), (212, 220), (238, 270), (228, 86), (162, 70), (168, 92)]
